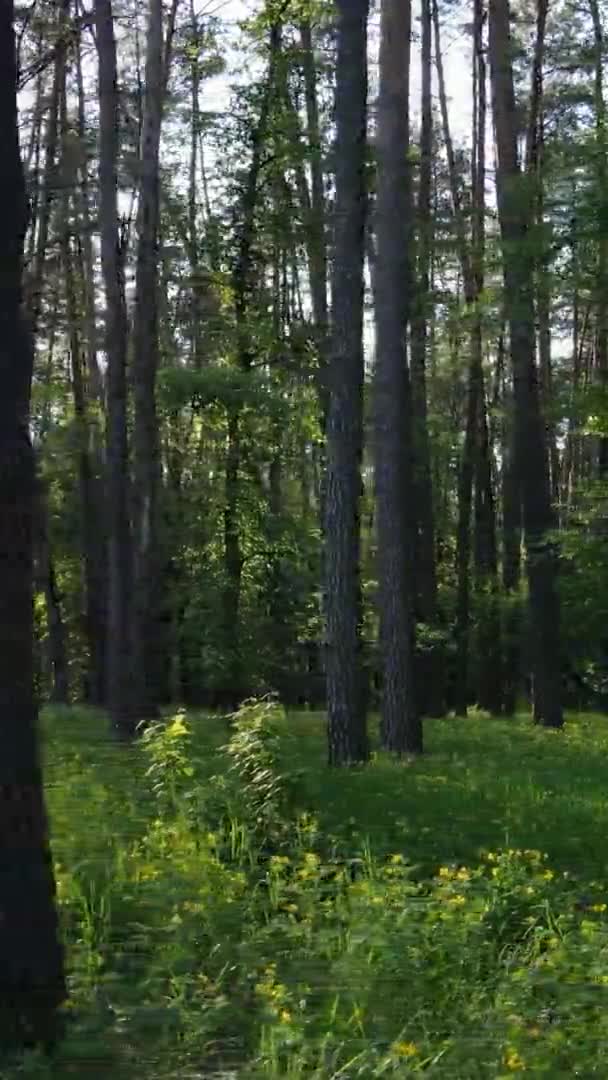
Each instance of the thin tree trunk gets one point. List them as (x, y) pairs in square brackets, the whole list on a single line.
[(48, 179), (347, 734), (475, 467), (59, 693), (147, 658), (315, 233), (511, 566), (92, 519), (430, 688), (120, 563), (489, 681), (82, 197), (32, 983), (601, 291)]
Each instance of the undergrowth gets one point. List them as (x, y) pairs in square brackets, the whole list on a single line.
[(233, 909)]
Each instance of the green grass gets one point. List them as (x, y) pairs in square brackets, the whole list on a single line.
[(254, 911)]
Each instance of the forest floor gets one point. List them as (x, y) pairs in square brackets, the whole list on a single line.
[(250, 913)]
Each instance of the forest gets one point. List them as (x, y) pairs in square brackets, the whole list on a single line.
[(303, 575)]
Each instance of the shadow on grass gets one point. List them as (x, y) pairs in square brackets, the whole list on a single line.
[(482, 784)]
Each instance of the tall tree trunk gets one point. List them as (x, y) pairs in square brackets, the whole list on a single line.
[(92, 520), (535, 143), (315, 233), (147, 658), (467, 460), (463, 545), (602, 220), (85, 249), (32, 984), (489, 681), (401, 726), (196, 317), (530, 449), (347, 733), (120, 564), (430, 688), (475, 467), (48, 179)]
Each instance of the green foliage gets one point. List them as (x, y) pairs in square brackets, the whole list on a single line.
[(410, 923), (256, 750), (218, 384)]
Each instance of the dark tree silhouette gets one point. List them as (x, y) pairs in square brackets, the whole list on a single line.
[(31, 962)]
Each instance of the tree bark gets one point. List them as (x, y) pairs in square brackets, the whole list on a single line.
[(430, 691), (32, 984), (316, 217), (47, 193), (347, 734), (120, 561), (530, 449), (401, 726), (601, 291), (147, 658), (488, 650)]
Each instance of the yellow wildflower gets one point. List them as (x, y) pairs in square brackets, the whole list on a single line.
[(598, 907), (514, 1061), (285, 1016), (457, 900), (404, 1049), (463, 874)]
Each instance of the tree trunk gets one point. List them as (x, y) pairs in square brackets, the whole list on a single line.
[(315, 232), (120, 564), (530, 449), (489, 681), (147, 658), (48, 179), (32, 985), (58, 656), (430, 690), (602, 220), (347, 734), (92, 519), (401, 726), (475, 467)]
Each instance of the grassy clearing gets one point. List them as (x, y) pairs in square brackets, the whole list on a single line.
[(250, 914)]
